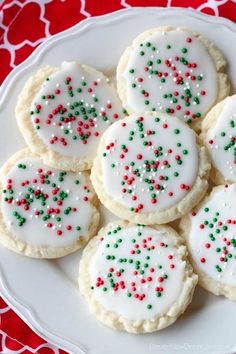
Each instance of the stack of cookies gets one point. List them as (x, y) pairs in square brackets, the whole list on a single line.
[(155, 148)]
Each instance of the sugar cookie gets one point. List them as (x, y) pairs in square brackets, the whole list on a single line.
[(211, 238), (219, 136), (172, 70), (149, 169), (44, 212), (62, 113), (136, 278)]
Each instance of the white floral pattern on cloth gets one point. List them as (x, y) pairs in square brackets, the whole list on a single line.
[(14, 334)]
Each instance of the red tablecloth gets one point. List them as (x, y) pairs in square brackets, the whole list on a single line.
[(23, 26)]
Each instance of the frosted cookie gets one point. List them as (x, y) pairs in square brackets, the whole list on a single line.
[(44, 212), (210, 232), (172, 70), (136, 278), (62, 113), (219, 136), (149, 169)]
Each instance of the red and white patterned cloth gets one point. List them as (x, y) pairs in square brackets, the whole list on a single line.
[(24, 24)]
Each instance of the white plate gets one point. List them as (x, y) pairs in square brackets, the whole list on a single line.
[(45, 293)]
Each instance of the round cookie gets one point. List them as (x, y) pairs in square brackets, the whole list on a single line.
[(172, 70), (149, 169), (210, 234), (62, 113), (219, 136), (45, 213), (136, 278)]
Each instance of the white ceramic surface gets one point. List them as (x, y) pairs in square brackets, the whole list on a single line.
[(45, 293)]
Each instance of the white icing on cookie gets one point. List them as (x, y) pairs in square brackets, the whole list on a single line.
[(45, 207), (222, 141), (212, 237), (149, 163), (171, 72), (73, 108), (137, 272)]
